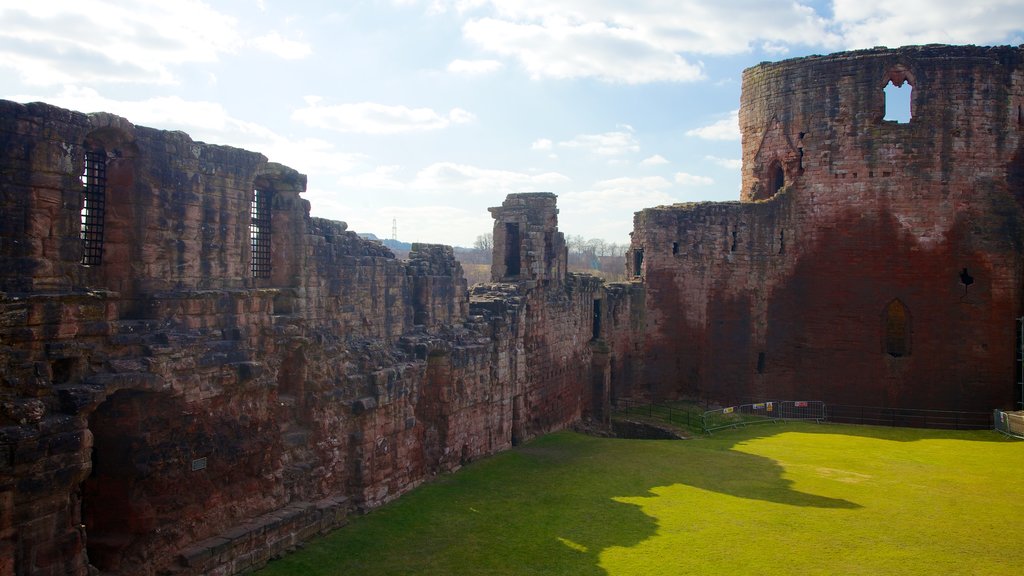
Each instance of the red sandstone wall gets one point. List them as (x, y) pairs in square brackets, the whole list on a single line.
[(785, 295), (166, 410)]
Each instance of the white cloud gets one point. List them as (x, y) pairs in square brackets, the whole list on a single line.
[(727, 128), (627, 183), (374, 118), (91, 41), (655, 160), (641, 41), (611, 203), (541, 144), (684, 179), (867, 23), (728, 163), (474, 66), (453, 177), (562, 50), (282, 47), (381, 178), (615, 143), (210, 122)]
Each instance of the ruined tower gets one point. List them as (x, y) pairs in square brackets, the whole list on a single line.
[(870, 261), (527, 243)]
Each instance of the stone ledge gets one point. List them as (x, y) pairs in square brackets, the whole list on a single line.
[(251, 545)]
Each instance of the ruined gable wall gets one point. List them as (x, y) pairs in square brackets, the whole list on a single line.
[(787, 294)]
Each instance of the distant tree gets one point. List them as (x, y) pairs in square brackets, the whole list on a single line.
[(484, 243), (598, 246), (576, 245)]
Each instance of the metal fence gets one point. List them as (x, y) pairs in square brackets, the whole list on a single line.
[(1009, 423), (681, 414), (910, 417), (762, 412), (691, 416)]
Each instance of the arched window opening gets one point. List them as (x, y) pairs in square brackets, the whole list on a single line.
[(776, 179), (259, 233), (638, 262), (93, 206), (897, 101), (897, 329)]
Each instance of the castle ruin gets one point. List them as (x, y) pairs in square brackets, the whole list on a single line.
[(196, 375)]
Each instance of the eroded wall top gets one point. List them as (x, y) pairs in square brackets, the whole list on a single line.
[(822, 120)]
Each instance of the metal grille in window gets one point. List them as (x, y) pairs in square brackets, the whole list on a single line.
[(259, 233), (94, 191)]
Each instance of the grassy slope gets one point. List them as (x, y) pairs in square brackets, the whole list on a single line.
[(770, 499)]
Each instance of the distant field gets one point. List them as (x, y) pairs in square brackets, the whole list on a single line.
[(795, 498)]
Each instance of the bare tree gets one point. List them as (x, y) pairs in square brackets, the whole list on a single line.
[(484, 243)]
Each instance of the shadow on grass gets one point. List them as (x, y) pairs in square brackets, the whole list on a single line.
[(550, 507)]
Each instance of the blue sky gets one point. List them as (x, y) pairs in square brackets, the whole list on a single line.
[(430, 111)]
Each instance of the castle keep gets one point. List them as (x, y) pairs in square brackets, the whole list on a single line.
[(869, 262), (196, 375)]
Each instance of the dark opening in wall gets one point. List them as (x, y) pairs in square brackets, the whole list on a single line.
[(776, 179), (760, 362), (597, 319), (638, 261), (782, 241), (549, 251), (675, 248), (897, 101), (965, 278), (94, 198), (897, 329), (735, 234), (62, 370), (259, 233), (512, 264)]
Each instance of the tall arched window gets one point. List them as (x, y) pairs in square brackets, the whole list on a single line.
[(897, 329), (259, 232), (93, 206)]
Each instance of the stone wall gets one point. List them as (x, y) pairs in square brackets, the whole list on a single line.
[(869, 261), (194, 401), (195, 374)]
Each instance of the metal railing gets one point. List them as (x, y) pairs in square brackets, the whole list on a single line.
[(692, 416), (1009, 423), (762, 412), (910, 417), (679, 413)]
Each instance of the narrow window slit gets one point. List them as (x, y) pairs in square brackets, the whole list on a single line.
[(512, 254), (94, 192), (259, 233)]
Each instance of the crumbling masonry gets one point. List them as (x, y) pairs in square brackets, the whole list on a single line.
[(868, 262), (195, 374)]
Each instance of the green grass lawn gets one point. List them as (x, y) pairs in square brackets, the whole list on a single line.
[(794, 498)]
